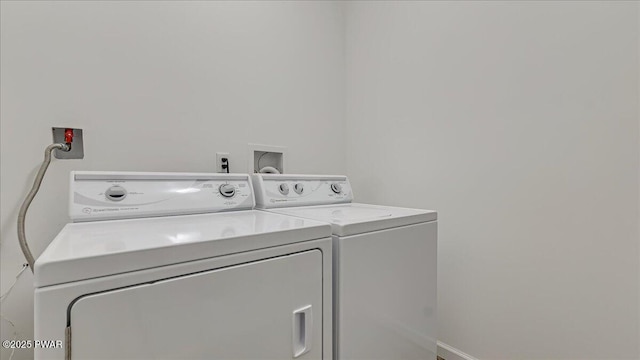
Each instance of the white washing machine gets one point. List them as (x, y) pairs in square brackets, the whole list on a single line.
[(179, 266), (385, 265)]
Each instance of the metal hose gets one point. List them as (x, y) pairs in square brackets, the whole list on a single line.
[(32, 194)]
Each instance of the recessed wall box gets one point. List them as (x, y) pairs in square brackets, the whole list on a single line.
[(267, 158)]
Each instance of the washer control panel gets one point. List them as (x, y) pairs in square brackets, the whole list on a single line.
[(284, 190), (98, 195)]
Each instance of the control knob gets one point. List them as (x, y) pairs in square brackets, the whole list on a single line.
[(227, 190), (298, 188), (284, 189), (115, 193), (336, 188)]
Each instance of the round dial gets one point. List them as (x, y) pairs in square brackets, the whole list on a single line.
[(284, 189), (116, 193), (227, 190), (336, 188), (298, 188)]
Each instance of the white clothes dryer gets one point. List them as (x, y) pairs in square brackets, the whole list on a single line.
[(179, 266), (385, 265)]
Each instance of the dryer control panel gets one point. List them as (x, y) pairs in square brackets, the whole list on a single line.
[(276, 190), (96, 195)]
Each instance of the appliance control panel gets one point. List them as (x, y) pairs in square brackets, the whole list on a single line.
[(96, 195), (284, 190)]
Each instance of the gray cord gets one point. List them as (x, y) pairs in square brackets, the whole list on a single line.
[(32, 194)]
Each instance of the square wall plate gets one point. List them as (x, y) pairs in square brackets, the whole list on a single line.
[(77, 146)]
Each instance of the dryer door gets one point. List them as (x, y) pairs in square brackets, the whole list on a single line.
[(270, 309)]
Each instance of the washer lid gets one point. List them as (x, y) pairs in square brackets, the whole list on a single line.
[(354, 218), (89, 250)]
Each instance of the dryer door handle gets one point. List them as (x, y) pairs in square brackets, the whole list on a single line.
[(302, 330)]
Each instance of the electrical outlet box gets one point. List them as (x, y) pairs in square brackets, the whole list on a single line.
[(222, 160), (77, 145), (267, 158)]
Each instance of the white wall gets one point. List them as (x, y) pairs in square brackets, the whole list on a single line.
[(518, 122), (159, 87)]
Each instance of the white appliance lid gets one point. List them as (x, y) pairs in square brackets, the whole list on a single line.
[(94, 249), (355, 218)]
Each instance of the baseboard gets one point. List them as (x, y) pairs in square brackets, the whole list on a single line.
[(448, 352)]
